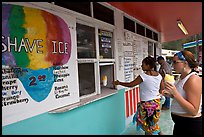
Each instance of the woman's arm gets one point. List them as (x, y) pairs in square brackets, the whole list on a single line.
[(193, 89), (133, 83), (161, 86)]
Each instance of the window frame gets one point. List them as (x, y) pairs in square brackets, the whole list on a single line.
[(87, 25), (97, 61)]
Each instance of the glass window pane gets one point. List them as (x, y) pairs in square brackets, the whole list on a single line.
[(155, 36), (81, 7), (148, 33), (107, 76), (86, 78), (103, 13), (140, 29), (150, 49), (86, 47), (129, 24)]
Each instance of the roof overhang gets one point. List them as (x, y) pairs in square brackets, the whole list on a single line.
[(163, 16)]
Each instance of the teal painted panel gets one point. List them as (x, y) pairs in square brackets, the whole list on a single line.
[(103, 117)]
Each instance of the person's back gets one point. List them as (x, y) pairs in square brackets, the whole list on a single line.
[(148, 109), (165, 68), (149, 88)]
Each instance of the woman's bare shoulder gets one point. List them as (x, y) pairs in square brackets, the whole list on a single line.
[(194, 80)]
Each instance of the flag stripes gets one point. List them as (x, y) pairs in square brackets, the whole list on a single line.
[(131, 100)]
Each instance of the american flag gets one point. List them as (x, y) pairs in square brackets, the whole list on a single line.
[(132, 97)]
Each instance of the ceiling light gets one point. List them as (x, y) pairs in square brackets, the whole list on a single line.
[(181, 26)]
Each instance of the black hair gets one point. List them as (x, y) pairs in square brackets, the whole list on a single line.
[(160, 58), (150, 61)]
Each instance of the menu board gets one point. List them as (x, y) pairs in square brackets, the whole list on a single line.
[(128, 61), (135, 50), (120, 54), (105, 44), (140, 51)]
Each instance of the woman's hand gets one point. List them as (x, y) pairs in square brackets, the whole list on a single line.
[(166, 94), (117, 82), (170, 88)]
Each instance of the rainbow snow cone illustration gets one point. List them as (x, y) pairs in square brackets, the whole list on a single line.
[(36, 35), (104, 80)]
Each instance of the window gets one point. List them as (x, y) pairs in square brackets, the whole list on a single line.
[(86, 47), (106, 75), (150, 49), (140, 29), (148, 33), (86, 78), (103, 13), (81, 7), (92, 68), (155, 36), (129, 24)]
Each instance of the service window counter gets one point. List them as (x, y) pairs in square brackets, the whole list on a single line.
[(106, 75)]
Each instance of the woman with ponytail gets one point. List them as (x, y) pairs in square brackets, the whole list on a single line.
[(186, 106), (148, 109)]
